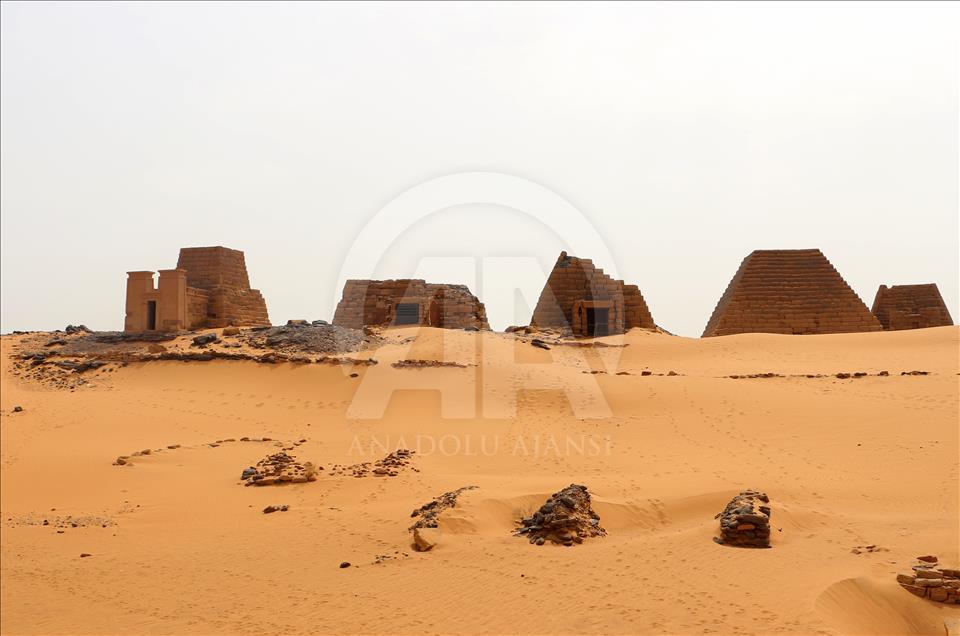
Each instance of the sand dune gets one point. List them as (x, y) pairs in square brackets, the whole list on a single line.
[(183, 547)]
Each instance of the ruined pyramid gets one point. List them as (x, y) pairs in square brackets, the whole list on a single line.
[(580, 297), (789, 292), (910, 307)]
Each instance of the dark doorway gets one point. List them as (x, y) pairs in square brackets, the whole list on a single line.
[(598, 321), (151, 315), (407, 314)]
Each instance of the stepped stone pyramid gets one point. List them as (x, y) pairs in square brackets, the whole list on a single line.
[(582, 298), (790, 292), (910, 307)]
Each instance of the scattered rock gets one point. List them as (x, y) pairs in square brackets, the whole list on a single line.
[(155, 347), (746, 521), (540, 344), (420, 364), (18, 409), (429, 512), (72, 329), (344, 564), (279, 508), (389, 466), (298, 322), (205, 339), (565, 519), (84, 555), (230, 331), (280, 468), (930, 581)]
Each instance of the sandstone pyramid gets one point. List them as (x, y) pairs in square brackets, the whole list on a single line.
[(581, 298), (910, 307), (790, 292)]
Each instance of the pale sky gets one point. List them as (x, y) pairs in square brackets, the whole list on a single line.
[(686, 135)]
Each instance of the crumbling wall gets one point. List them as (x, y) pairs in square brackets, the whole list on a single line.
[(374, 303), (576, 283), (910, 307), (789, 292)]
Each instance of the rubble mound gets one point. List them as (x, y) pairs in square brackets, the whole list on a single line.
[(746, 521), (299, 338), (566, 518), (430, 511), (389, 466), (929, 580), (279, 468)]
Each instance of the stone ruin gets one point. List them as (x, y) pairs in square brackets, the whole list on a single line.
[(581, 299), (382, 303), (910, 307), (789, 292), (746, 521), (277, 469), (929, 580), (209, 288), (565, 519)]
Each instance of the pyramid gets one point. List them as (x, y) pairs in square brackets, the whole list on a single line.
[(581, 298), (910, 307), (790, 292)]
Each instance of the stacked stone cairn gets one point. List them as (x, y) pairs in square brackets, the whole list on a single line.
[(277, 469), (746, 521), (929, 580), (565, 519)]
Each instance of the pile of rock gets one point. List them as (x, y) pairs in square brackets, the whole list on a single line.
[(279, 468), (565, 519), (931, 581), (746, 521), (389, 466)]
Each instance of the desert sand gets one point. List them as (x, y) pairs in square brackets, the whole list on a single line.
[(862, 475)]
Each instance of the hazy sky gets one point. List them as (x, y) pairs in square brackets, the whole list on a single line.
[(686, 135)]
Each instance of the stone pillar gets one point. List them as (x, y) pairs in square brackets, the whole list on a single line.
[(139, 290), (172, 305)]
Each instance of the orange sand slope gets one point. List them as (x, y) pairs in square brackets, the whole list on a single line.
[(178, 545)]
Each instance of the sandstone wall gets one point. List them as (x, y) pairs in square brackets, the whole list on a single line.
[(789, 292), (910, 307), (373, 302), (197, 302), (577, 280)]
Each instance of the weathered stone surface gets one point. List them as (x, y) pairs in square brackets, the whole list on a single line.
[(910, 307), (789, 292), (940, 584), (746, 521), (578, 294), (375, 303)]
